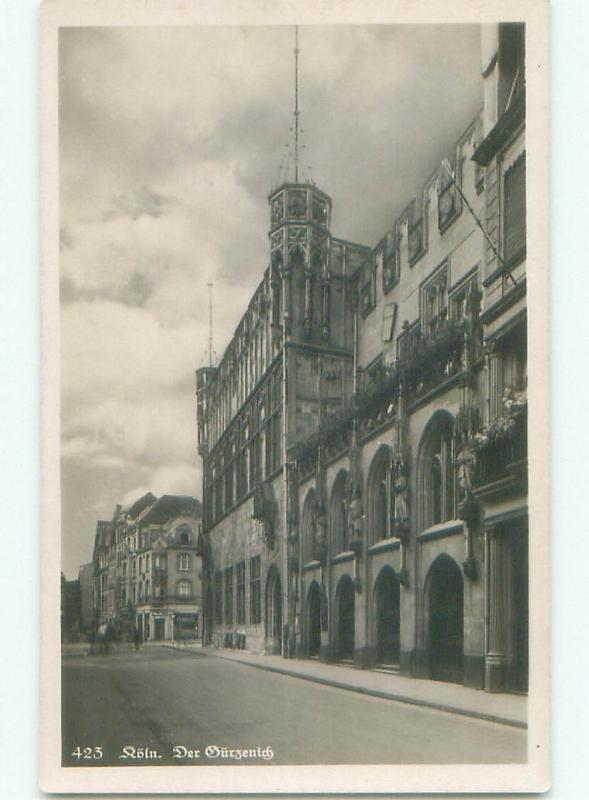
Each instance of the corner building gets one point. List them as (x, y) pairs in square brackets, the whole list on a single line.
[(364, 436)]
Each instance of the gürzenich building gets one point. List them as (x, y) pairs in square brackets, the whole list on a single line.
[(364, 435)]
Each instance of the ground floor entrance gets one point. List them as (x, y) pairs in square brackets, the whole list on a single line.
[(314, 620), (387, 613), (445, 600), (345, 614), (273, 611)]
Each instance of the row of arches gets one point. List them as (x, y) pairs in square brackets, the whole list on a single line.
[(443, 619), (436, 493)]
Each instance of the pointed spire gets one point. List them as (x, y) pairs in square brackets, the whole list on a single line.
[(296, 108)]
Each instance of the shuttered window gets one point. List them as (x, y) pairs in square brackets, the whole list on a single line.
[(514, 227)]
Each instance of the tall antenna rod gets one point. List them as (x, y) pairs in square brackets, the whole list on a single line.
[(210, 285), (296, 109)]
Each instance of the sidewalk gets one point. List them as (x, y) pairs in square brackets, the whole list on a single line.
[(506, 709)]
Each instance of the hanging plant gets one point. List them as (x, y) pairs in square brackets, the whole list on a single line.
[(468, 421), (514, 402)]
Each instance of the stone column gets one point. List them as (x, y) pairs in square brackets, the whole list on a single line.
[(498, 606), (495, 372)]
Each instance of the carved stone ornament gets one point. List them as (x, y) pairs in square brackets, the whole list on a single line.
[(404, 577), (466, 462), (356, 517), (319, 534), (297, 203), (277, 238), (401, 490), (264, 511), (324, 609), (277, 209), (469, 567), (319, 210), (297, 236)]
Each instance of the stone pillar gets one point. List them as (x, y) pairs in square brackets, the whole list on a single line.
[(498, 609), (495, 368)]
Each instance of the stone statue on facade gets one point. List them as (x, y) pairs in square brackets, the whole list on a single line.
[(401, 497), (320, 534), (355, 520)]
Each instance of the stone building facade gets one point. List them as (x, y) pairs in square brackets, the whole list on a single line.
[(364, 437), (147, 571)]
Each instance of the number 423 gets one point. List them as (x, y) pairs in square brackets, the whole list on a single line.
[(87, 752)]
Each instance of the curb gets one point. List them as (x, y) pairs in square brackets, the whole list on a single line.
[(397, 698)]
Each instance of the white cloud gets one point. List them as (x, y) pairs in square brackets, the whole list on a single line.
[(170, 141)]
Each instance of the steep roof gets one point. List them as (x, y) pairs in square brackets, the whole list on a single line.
[(140, 505), (170, 506)]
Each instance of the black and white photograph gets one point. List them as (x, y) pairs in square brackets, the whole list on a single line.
[(289, 426)]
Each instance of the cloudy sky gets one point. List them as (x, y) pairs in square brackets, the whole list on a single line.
[(170, 141)]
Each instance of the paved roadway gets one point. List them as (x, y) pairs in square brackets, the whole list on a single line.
[(159, 699)]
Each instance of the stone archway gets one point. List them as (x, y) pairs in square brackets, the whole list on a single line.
[(387, 601), (345, 609), (273, 611), (314, 620), (445, 605)]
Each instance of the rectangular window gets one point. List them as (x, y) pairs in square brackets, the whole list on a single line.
[(240, 584), (434, 302), (368, 286), (447, 200), (514, 211), (390, 263), (415, 232), (184, 562), (229, 596), (218, 584), (459, 298), (229, 486), (255, 591)]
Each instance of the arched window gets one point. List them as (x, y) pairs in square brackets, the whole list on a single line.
[(380, 497), (184, 590), (436, 473), (338, 518), (308, 526)]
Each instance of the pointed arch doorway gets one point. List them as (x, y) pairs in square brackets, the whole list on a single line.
[(314, 620), (345, 605), (387, 601), (445, 601), (273, 611)]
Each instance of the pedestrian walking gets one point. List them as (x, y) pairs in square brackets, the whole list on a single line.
[(136, 638)]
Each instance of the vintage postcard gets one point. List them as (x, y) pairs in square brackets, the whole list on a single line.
[(295, 397)]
